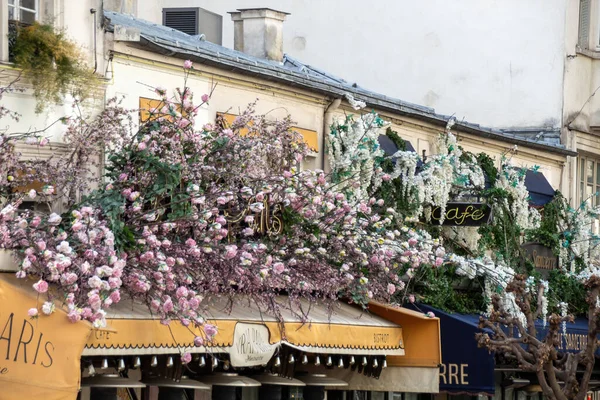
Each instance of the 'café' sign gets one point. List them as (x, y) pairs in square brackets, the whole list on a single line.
[(463, 214), (251, 345)]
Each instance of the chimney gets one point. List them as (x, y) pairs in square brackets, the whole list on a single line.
[(259, 32)]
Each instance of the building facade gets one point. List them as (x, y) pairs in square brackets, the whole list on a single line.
[(133, 55)]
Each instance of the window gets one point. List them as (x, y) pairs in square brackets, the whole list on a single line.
[(589, 25), (20, 13), (24, 11), (195, 21), (589, 180)]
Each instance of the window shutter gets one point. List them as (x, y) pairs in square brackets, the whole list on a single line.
[(584, 23), (182, 19)]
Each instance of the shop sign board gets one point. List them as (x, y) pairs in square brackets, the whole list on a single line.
[(251, 345), (542, 256), (462, 214)]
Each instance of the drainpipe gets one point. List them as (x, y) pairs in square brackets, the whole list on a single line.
[(327, 122)]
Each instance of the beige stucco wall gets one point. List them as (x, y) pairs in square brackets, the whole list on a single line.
[(133, 74), (135, 68)]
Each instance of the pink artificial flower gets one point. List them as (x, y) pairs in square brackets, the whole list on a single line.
[(33, 312), (205, 98), (198, 341), (186, 358), (187, 64), (183, 123), (278, 268), (439, 261), (190, 242), (115, 296), (41, 286), (74, 316), (386, 177), (391, 288), (41, 245), (141, 146), (168, 306), (154, 305), (210, 330), (181, 292), (123, 177)]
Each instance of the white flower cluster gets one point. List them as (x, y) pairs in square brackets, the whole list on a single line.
[(513, 181), (446, 175), (580, 241), (405, 169), (498, 273), (466, 236), (564, 308), (510, 306), (544, 301), (353, 146)]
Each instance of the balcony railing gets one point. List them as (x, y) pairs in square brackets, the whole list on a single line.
[(13, 31)]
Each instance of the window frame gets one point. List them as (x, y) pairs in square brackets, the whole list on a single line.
[(17, 8), (582, 178), (582, 183)]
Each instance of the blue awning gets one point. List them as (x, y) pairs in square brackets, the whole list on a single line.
[(389, 147), (540, 190), (466, 368)]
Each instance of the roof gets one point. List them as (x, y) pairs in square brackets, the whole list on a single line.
[(165, 40)]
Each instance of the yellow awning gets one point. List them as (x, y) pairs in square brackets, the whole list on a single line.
[(39, 358), (347, 331), (421, 336)]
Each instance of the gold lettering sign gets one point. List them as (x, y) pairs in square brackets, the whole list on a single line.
[(454, 374), (265, 220), (572, 342), (542, 257), (381, 338), (463, 214)]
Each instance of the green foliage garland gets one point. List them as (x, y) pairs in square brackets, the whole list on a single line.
[(53, 63)]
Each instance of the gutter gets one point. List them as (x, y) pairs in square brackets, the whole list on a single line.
[(304, 81)]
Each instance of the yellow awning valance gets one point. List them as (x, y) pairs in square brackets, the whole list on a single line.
[(421, 336), (347, 331), (39, 358)]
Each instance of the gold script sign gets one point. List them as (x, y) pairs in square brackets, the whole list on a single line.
[(542, 257), (267, 221), (463, 214)]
